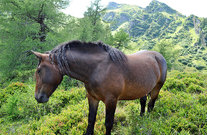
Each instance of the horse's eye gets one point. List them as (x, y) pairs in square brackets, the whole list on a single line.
[(38, 71)]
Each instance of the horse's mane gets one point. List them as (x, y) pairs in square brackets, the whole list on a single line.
[(59, 52)]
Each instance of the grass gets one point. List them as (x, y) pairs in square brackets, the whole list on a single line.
[(174, 113), (180, 109)]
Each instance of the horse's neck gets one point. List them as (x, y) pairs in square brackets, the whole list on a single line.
[(82, 64)]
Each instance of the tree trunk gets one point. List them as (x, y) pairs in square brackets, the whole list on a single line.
[(43, 28)]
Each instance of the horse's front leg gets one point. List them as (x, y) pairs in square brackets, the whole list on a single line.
[(93, 106), (110, 111)]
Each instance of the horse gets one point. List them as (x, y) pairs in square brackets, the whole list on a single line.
[(107, 73)]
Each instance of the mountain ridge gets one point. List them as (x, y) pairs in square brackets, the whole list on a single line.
[(157, 21)]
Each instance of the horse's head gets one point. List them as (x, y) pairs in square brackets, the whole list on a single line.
[(48, 77)]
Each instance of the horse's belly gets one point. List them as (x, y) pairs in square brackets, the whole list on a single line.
[(132, 93)]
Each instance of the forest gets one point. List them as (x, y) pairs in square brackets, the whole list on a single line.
[(41, 25)]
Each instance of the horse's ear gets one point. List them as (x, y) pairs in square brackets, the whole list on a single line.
[(37, 54)]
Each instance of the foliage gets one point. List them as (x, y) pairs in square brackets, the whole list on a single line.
[(186, 82), (177, 110), (175, 113), (17, 102), (148, 26), (27, 25), (166, 49), (121, 39), (68, 83), (93, 28), (11, 90)]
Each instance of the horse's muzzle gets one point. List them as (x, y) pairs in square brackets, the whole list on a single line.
[(41, 98)]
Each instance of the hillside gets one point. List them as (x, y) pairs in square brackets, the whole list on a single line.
[(158, 21), (181, 109)]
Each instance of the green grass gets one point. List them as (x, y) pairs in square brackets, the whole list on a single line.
[(180, 109)]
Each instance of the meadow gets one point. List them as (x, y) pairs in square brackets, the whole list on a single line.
[(180, 109)]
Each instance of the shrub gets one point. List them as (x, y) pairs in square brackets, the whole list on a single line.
[(11, 107), (11, 90), (180, 109), (194, 88), (68, 83), (174, 85), (22, 105), (72, 120), (188, 82), (24, 76)]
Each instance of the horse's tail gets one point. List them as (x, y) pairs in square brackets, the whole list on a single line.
[(163, 67)]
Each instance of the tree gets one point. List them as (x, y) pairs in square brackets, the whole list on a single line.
[(44, 13), (121, 39), (86, 32), (170, 54), (93, 28), (27, 25)]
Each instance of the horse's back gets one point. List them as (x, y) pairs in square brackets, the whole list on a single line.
[(153, 60), (145, 69)]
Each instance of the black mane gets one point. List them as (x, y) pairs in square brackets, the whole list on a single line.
[(58, 52)]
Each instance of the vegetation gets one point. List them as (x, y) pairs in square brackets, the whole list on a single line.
[(27, 25), (180, 109), (121, 39), (149, 26), (40, 25), (166, 49)]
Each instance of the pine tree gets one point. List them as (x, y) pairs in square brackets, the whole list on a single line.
[(27, 25)]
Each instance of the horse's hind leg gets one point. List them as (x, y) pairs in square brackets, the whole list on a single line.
[(143, 104), (154, 95)]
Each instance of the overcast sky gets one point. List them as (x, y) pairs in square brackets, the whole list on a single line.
[(186, 7)]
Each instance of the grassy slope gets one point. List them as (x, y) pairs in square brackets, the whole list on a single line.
[(180, 109)]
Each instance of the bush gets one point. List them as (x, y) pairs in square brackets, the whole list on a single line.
[(24, 76), (194, 88), (22, 104), (174, 113), (68, 83), (10, 90), (72, 120), (188, 82), (180, 109), (174, 85)]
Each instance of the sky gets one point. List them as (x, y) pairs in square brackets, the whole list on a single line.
[(185, 7)]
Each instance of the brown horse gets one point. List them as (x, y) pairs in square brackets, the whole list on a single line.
[(108, 75)]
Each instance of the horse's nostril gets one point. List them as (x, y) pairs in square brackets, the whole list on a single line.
[(41, 98)]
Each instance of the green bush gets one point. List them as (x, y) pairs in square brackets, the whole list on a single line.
[(194, 88), (188, 82), (22, 104), (11, 107), (174, 113), (72, 120), (11, 90), (68, 83), (174, 85), (25, 76), (180, 109)]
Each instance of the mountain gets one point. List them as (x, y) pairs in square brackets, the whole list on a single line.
[(147, 26)]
